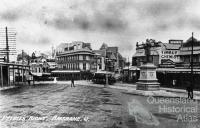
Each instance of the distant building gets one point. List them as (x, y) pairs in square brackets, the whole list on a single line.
[(101, 55), (75, 59), (109, 59), (185, 53), (39, 65), (8, 35)]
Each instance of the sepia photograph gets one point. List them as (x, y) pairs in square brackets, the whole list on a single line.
[(99, 64)]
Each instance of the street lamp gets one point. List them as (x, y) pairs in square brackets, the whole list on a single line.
[(128, 69), (106, 66)]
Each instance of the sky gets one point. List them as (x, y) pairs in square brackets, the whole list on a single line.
[(41, 24)]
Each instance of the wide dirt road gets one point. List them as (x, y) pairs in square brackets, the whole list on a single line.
[(60, 106)]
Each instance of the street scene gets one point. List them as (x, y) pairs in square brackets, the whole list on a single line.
[(99, 64)]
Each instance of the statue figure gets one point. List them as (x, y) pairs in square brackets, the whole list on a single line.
[(147, 47), (137, 44)]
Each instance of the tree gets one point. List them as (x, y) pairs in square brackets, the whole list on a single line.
[(33, 56), (25, 56)]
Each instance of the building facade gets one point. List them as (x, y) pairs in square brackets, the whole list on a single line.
[(185, 53), (82, 60), (109, 59), (75, 59)]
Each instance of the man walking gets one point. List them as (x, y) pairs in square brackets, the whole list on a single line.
[(72, 81), (190, 92)]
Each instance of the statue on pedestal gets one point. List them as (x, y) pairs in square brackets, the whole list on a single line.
[(148, 79)]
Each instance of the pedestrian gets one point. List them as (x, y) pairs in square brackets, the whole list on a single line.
[(190, 92), (174, 82), (72, 81), (55, 80)]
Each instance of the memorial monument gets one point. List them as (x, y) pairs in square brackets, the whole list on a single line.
[(148, 80)]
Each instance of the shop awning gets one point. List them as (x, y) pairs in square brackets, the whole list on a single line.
[(65, 71), (188, 52), (177, 70), (36, 74), (131, 68), (139, 54), (104, 72)]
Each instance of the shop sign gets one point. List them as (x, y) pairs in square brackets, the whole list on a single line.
[(169, 54)]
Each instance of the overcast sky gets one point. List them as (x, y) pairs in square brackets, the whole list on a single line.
[(43, 23)]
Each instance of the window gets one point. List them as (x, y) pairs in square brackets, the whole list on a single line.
[(84, 66), (84, 57), (64, 67), (71, 48), (77, 66)]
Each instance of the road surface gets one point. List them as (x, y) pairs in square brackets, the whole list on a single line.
[(60, 106)]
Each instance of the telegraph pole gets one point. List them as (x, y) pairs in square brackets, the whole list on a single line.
[(192, 77), (7, 46), (128, 69), (106, 67)]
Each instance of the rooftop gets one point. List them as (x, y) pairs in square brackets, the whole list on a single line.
[(172, 46)]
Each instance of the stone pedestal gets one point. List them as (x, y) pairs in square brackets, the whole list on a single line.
[(148, 80)]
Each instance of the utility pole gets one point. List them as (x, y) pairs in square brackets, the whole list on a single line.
[(128, 69), (7, 53), (22, 66), (192, 77), (7, 46), (106, 65)]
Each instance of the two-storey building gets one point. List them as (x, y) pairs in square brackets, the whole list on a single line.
[(110, 59), (75, 59)]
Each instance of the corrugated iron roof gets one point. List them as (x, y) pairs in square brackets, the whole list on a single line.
[(172, 46)]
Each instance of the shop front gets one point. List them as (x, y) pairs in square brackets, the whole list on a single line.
[(178, 77)]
